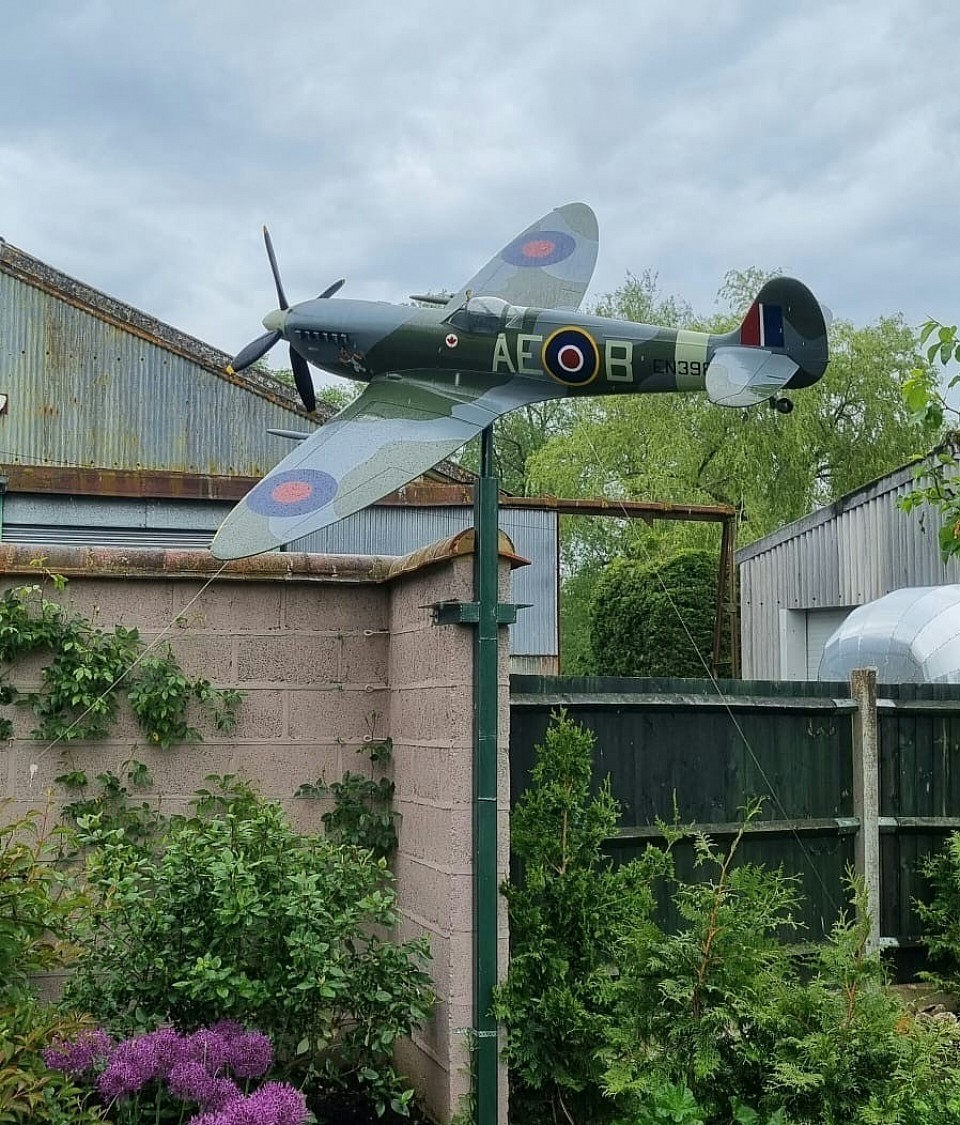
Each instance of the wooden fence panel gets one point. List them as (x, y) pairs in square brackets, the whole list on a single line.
[(707, 751)]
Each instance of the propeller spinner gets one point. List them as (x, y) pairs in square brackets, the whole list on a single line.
[(258, 348)]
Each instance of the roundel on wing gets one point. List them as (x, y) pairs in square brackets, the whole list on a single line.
[(571, 356), (539, 248), (293, 493)]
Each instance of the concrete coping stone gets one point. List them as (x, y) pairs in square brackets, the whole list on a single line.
[(298, 566)]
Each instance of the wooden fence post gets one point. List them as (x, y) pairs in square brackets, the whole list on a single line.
[(866, 792)]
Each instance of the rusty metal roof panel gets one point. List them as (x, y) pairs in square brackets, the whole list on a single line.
[(85, 390), (94, 382)]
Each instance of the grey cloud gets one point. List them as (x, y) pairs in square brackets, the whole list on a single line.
[(401, 144)]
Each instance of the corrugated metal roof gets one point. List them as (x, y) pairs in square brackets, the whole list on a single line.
[(94, 382)]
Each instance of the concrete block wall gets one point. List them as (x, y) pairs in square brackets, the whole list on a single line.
[(330, 651), (431, 721)]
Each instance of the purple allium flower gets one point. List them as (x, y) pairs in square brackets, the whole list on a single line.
[(223, 1093), (132, 1064), (208, 1047), (275, 1103), (228, 1029), (117, 1081), (250, 1055), (167, 1046), (207, 1118), (190, 1080), (79, 1055)]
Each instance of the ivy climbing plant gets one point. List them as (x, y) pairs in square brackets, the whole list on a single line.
[(362, 812), (91, 669)]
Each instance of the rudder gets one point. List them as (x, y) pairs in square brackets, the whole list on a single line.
[(786, 318)]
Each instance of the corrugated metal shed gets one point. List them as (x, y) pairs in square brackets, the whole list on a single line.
[(858, 548), (122, 430), (92, 381)]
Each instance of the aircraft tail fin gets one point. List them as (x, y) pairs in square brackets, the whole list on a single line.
[(784, 323), (786, 318)]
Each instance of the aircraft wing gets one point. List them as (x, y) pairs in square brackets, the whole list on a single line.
[(548, 266), (393, 432)]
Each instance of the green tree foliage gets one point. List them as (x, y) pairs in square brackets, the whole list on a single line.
[(652, 618), (926, 393), (516, 438), (848, 429)]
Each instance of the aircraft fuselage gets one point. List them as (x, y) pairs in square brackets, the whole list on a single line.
[(578, 354)]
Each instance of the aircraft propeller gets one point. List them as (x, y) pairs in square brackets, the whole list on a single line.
[(258, 348)]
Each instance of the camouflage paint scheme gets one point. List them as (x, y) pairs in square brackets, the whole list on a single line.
[(510, 337)]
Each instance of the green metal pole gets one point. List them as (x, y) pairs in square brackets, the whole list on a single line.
[(485, 706)]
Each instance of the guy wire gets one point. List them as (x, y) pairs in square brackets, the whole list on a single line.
[(808, 856), (126, 672)]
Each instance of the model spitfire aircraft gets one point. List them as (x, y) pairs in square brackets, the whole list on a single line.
[(511, 336)]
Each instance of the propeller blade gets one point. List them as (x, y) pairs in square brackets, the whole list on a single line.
[(254, 351), (281, 296), (331, 289), (301, 376)]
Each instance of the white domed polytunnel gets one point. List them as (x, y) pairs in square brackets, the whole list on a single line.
[(910, 636)]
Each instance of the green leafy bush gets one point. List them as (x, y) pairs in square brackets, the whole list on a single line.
[(232, 914), (29, 1090), (654, 620), (37, 901)]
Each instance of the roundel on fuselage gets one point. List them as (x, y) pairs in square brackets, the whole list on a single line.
[(571, 356)]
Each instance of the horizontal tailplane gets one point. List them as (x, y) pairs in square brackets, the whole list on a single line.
[(781, 344)]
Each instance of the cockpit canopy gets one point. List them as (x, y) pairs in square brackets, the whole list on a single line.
[(486, 316)]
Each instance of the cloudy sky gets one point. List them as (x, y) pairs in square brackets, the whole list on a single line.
[(399, 144)]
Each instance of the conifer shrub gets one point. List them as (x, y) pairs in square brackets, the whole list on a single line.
[(565, 915), (726, 1019), (654, 619)]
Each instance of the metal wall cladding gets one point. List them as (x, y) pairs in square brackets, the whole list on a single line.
[(857, 549), (85, 391), (389, 530), (44, 518)]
